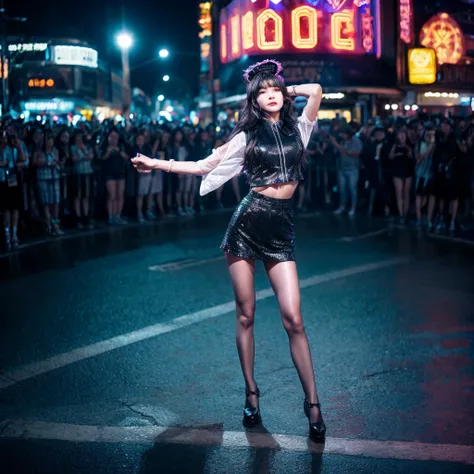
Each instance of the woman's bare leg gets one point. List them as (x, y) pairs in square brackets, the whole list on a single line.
[(398, 183), (284, 280), (242, 275), (406, 196)]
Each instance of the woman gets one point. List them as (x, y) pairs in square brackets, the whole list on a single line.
[(269, 145), (46, 162), (12, 161), (424, 176), (143, 186), (403, 170), (82, 156), (64, 154), (179, 151), (114, 157)]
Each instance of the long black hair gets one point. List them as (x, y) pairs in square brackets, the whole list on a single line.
[(252, 116)]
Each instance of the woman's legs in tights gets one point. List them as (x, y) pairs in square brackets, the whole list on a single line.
[(242, 275), (284, 280)]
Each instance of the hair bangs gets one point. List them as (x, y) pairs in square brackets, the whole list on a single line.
[(264, 80)]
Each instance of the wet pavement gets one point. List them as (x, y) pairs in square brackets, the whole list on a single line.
[(117, 353)]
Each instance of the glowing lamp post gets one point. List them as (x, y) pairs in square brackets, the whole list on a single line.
[(125, 42)]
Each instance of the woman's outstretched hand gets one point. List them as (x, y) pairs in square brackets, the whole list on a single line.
[(143, 164)]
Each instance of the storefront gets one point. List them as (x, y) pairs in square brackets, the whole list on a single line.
[(436, 67), (62, 78), (340, 44)]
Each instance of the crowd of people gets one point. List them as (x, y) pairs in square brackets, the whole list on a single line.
[(54, 175)]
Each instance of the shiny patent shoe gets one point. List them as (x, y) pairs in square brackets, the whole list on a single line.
[(317, 431), (251, 414)]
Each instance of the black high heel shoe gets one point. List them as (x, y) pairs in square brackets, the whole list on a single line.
[(317, 431), (251, 414)]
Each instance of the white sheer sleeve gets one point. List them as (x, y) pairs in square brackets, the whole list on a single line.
[(224, 163), (306, 127)]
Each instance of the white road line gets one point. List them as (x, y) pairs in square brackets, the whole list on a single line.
[(188, 263), (363, 236), (19, 374), (413, 451), (451, 239)]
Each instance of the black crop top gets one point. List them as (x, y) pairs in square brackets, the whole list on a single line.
[(278, 157)]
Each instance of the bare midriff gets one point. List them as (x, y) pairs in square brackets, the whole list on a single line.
[(278, 191)]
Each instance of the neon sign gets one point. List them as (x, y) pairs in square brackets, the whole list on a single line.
[(406, 19), (367, 31), (342, 30), (443, 34), (41, 83), (310, 26), (304, 18), (269, 30)]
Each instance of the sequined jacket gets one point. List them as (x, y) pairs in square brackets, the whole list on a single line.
[(278, 157)]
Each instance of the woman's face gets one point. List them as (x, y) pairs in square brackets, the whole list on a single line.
[(270, 99), (140, 141), (65, 138), (113, 139), (38, 138), (49, 142), (402, 137)]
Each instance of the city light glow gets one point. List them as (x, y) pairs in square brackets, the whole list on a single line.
[(164, 53), (124, 40), (166, 78)]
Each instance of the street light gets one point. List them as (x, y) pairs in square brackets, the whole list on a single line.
[(166, 78), (161, 97), (124, 42), (164, 53)]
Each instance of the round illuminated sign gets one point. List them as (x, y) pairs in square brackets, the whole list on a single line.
[(443, 34)]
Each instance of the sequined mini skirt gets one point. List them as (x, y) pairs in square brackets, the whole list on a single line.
[(261, 228)]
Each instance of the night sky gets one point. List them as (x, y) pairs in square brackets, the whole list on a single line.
[(164, 23)]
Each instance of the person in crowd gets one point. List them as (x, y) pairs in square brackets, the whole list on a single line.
[(46, 161), (446, 166), (12, 160), (82, 172), (348, 168), (375, 155), (203, 150), (179, 151), (114, 158), (424, 176), (64, 155), (403, 168), (143, 181)]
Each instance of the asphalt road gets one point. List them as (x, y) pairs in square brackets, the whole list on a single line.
[(117, 354)]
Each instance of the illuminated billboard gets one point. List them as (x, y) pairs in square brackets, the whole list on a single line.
[(74, 56), (421, 66), (260, 27)]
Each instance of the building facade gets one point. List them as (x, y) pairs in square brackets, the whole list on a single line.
[(61, 76), (346, 45)]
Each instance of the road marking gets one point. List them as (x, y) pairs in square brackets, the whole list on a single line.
[(364, 236), (412, 451), (19, 374), (188, 263), (451, 239)]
